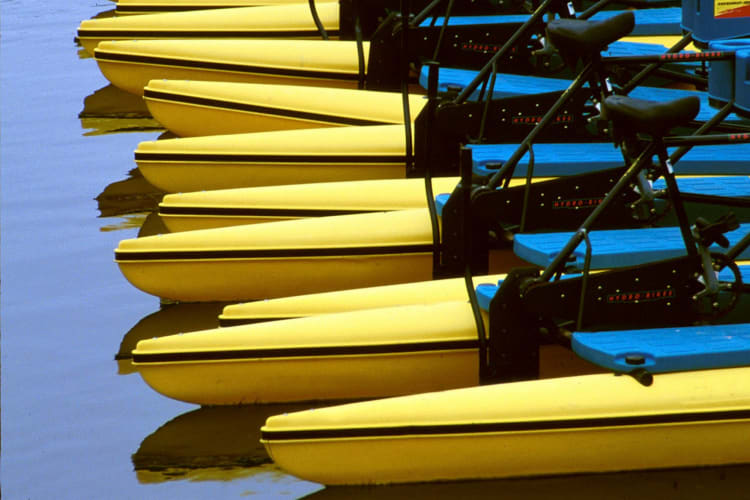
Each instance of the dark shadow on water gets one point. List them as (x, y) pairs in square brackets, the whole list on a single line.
[(729, 482), (210, 443), (171, 319), (112, 110), (112, 102), (131, 195), (153, 224)]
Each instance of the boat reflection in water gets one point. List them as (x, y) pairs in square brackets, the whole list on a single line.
[(171, 319), (728, 482), (208, 444), (130, 195), (112, 110), (113, 102), (696, 483)]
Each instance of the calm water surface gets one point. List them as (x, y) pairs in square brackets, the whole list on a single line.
[(77, 422)]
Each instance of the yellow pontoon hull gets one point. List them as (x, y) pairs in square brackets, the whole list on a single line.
[(191, 108), (233, 207), (423, 292), (359, 354), (273, 158), (129, 7), (283, 258), (573, 425), (276, 21), (131, 64)]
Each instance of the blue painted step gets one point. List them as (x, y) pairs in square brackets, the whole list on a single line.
[(566, 159), (614, 248), (667, 349), (648, 22)]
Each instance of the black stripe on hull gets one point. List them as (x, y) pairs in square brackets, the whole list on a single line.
[(260, 158), (236, 321), (305, 352), (193, 34), (253, 108), (272, 253), (496, 427), (257, 212), (236, 68)]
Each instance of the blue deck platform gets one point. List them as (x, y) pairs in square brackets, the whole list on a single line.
[(614, 248), (508, 85), (661, 350), (557, 159), (727, 186)]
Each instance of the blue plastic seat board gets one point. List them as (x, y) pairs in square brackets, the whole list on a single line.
[(731, 187), (507, 85), (667, 349), (555, 159), (485, 292), (614, 248), (658, 21)]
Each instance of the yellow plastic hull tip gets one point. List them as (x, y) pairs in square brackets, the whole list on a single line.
[(275, 21), (281, 258), (194, 108), (273, 158), (131, 7), (423, 292), (240, 206)]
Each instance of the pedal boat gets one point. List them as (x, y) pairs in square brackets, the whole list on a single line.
[(570, 425), (130, 64), (276, 21), (337, 356), (359, 354), (170, 50), (256, 159), (192, 108), (289, 257), (129, 7)]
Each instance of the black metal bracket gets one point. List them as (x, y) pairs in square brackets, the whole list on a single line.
[(463, 46), (509, 120), (514, 338)]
